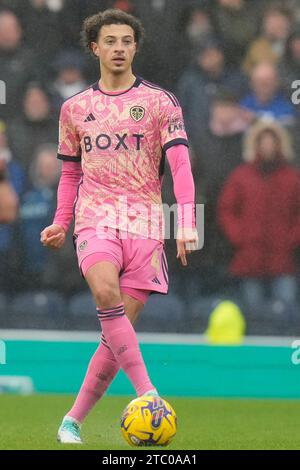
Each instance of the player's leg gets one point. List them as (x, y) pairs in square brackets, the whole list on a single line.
[(101, 371), (102, 368), (146, 262), (103, 280)]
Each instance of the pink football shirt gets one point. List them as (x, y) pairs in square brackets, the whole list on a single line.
[(121, 140)]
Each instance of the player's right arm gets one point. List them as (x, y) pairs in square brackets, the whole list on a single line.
[(70, 153)]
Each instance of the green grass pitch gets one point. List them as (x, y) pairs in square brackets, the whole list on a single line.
[(31, 423)]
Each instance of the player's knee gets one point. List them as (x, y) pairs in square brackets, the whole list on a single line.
[(107, 295)]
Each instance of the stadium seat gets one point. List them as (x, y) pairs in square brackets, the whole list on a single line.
[(181, 285), (82, 304), (39, 303), (201, 309), (277, 318), (3, 303), (82, 312), (203, 306), (4, 314), (39, 309), (162, 313)]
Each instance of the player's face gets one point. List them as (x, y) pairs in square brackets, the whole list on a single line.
[(115, 47)]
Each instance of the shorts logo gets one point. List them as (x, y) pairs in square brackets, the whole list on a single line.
[(137, 113), (82, 245)]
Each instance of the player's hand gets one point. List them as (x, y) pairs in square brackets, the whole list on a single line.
[(187, 241), (53, 236)]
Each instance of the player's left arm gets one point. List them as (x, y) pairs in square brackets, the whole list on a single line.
[(184, 190), (174, 144)]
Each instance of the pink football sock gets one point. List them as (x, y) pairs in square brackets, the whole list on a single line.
[(102, 369), (121, 338)]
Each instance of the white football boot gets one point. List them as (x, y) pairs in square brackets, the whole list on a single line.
[(69, 431)]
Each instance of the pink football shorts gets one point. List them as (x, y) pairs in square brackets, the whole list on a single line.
[(141, 262)]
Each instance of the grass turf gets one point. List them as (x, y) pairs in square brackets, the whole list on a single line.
[(31, 423)]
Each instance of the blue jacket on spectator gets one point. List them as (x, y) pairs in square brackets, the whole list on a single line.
[(37, 209), (16, 176), (278, 108)]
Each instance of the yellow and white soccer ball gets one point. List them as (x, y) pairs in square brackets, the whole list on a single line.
[(148, 421)]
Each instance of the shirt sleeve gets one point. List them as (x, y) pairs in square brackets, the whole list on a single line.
[(69, 142), (172, 129), (184, 187), (66, 193)]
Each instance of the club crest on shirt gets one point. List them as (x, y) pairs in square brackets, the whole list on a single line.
[(137, 113)]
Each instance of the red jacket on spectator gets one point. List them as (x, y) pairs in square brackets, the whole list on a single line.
[(259, 209)]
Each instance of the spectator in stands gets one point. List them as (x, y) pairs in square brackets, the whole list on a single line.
[(41, 269), (11, 187), (20, 6), (76, 11), (43, 32), (289, 67), (17, 66), (8, 196), (37, 207), (35, 126), (289, 70), (162, 60), (219, 153), (194, 28), (197, 26), (265, 98), (270, 45), (237, 24), (69, 77), (17, 6), (201, 82), (259, 212), (220, 149), (227, 117), (13, 169)]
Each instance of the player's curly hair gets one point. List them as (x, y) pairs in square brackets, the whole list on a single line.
[(93, 24)]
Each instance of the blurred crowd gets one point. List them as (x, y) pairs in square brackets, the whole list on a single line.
[(235, 67)]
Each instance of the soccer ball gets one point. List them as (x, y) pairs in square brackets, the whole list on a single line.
[(148, 421)]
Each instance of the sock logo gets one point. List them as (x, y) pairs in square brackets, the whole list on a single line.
[(102, 376), (122, 349)]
